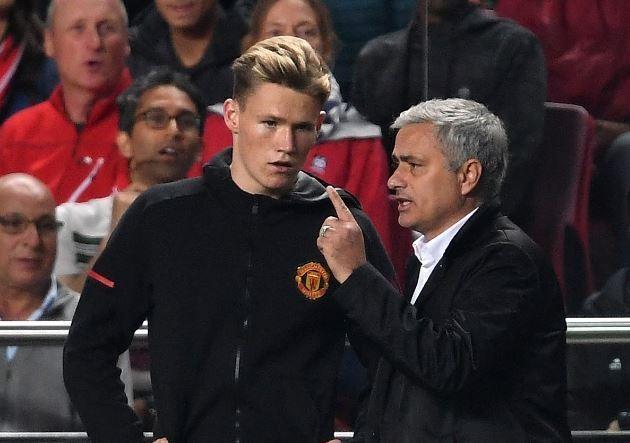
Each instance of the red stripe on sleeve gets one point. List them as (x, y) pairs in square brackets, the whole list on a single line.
[(101, 279)]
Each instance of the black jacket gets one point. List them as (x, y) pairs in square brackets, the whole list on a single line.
[(479, 57), (480, 357), (237, 350), (151, 46)]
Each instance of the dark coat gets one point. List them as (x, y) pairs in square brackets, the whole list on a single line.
[(238, 351), (481, 355), (151, 46), (488, 59)]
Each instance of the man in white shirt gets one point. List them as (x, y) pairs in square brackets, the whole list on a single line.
[(160, 128), (475, 350)]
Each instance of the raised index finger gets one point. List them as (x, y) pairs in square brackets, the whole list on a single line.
[(343, 213)]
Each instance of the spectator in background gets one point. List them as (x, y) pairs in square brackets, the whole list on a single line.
[(68, 141), (26, 75), (358, 21), (472, 55), (197, 38), (160, 128), (348, 152), (31, 381)]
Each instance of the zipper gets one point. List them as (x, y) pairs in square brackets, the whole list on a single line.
[(244, 327)]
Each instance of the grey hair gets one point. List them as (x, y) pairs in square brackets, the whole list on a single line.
[(466, 130), (50, 13)]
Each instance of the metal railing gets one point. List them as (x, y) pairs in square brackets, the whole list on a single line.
[(579, 331)]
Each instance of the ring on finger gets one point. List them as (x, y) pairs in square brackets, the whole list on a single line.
[(323, 229)]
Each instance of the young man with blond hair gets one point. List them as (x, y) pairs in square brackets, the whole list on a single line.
[(245, 341)]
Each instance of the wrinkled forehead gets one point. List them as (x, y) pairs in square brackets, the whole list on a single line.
[(63, 12), (27, 200)]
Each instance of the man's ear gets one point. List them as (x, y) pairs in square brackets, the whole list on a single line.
[(320, 120), (231, 112), (124, 144), (49, 48), (469, 175)]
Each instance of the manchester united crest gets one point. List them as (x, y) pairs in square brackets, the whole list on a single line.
[(312, 280)]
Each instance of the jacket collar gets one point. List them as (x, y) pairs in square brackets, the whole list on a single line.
[(467, 239), (103, 107)]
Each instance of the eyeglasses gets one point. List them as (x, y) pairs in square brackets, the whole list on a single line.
[(17, 223), (158, 118)]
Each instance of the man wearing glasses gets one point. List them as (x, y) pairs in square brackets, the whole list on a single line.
[(160, 136), (31, 382)]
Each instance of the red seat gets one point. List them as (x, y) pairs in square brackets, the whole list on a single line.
[(561, 193)]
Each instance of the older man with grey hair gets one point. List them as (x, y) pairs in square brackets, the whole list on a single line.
[(475, 349), (69, 141)]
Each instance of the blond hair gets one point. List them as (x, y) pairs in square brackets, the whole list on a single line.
[(286, 61)]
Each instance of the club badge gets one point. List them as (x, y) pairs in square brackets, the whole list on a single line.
[(312, 280)]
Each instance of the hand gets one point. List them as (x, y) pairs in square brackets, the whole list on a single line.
[(341, 240), (164, 440)]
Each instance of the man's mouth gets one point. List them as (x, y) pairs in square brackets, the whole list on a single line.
[(30, 262), (169, 152), (403, 203), (94, 64), (282, 166)]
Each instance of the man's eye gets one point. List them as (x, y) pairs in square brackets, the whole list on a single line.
[(47, 225), (14, 223), (270, 123), (305, 128)]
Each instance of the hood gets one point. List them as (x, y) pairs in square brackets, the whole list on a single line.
[(307, 190), (343, 120)]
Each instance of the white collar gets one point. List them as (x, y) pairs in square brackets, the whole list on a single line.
[(430, 252)]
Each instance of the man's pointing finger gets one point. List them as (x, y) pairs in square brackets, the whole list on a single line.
[(343, 213)]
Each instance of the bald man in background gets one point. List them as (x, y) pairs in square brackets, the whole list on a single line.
[(34, 397)]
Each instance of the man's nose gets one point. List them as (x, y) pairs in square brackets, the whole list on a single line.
[(31, 236), (287, 140), (394, 180), (94, 38)]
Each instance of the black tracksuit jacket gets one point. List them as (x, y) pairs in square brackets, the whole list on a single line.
[(238, 352)]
